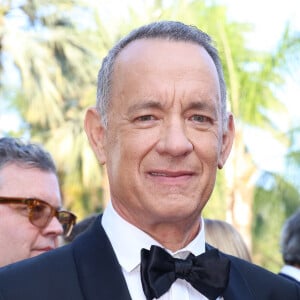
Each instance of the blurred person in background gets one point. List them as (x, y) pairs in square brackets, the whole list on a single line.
[(290, 248), (226, 238), (31, 219)]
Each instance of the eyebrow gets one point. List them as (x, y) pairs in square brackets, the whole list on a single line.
[(200, 105), (203, 106), (144, 105), (196, 105)]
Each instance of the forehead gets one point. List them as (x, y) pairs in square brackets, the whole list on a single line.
[(23, 181), (162, 52), (151, 66)]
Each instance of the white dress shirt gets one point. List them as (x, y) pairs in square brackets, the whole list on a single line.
[(127, 242), (291, 271)]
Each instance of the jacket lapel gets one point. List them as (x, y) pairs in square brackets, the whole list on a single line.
[(98, 270), (237, 286)]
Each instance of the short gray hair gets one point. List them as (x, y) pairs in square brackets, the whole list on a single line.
[(15, 151), (290, 240), (169, 30)]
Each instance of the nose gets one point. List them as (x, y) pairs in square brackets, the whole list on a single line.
[(174, 140), (54, 228)]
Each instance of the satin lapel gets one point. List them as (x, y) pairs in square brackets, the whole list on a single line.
[(237, 287), (99, 272)]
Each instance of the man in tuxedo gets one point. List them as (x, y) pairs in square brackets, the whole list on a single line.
[(290, 248), (162, 129)]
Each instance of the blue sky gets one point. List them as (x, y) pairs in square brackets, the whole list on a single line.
[(267, 16)]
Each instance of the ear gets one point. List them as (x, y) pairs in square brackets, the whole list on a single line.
[(227, 141), (96, 133)]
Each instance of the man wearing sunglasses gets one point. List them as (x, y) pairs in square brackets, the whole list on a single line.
[(30, 217)]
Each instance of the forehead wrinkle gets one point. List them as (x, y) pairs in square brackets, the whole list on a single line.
[(169, 97)]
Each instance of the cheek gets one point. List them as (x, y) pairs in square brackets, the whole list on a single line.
[(126, 157), (208, 149), (16, 232), (128, 146), (17, 241)]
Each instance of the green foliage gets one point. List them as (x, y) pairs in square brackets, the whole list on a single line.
[(275, 200), (57, 60), (216, 206)]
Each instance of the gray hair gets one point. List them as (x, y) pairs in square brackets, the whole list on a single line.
[(290, 240), (14, 151), (169, 30)]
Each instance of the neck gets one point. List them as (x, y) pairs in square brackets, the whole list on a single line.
[(173, 236), (173, 233), (296, 266)]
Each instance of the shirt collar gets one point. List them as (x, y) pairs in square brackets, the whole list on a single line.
[(291, 271), (128, 240)]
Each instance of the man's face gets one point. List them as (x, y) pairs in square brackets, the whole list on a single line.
[(164, 140), (19, 239)]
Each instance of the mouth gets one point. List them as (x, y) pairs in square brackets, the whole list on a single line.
[(171, 178), (171, 174), (45, 249)]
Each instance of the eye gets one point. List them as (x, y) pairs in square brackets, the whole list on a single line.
[(201, 119), (38, 208), (145, 118), (202, 122), (145, 121)]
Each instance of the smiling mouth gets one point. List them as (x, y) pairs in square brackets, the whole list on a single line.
[(45, 249), (158, 174), (169, 174)]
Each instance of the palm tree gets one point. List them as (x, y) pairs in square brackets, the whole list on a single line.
[(56, 59)]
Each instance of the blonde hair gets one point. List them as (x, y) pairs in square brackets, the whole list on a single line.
[(226, 238)]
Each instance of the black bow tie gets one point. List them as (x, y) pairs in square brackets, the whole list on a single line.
[(208, 273)]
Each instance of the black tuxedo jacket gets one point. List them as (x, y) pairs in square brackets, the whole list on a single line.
[(289, 277), (87, 269)]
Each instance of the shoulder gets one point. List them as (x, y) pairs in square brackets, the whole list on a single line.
[(289, 277), (62, 257), (41, 274), (53, 273), (261, 281), (49, 260), (249, 269)]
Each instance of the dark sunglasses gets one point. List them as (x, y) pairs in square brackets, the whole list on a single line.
[(41, 213)]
